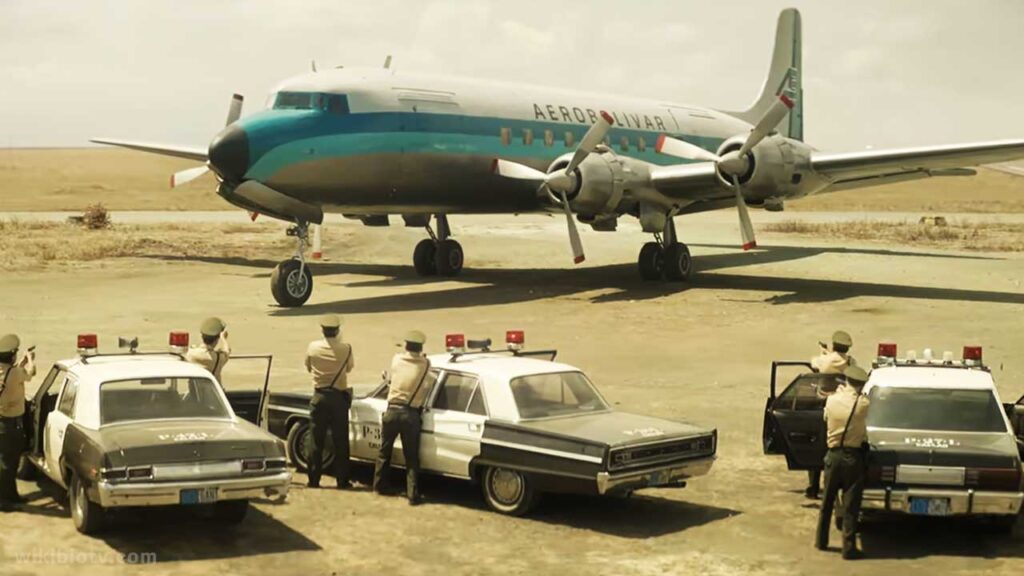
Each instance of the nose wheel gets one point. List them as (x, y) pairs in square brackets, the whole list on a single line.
[(291, 282), (438, 255), (666, 258)]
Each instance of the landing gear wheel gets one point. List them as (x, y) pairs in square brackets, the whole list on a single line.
[(230, 511), (290, 287), (678, 263), (423, 258), (87, 515), (651, 261), (300, 442), (448, 258), (508, 491)]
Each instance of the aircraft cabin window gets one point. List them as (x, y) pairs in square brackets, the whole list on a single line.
[(549, 138), (570, 139), (624, 143), (527, 136), (506, 136), (641, 144)]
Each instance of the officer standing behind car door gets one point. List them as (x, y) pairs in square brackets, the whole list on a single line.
[(408, 372), (215, 351), (13, 375), (846, 418), (330, 360), (829, 362)]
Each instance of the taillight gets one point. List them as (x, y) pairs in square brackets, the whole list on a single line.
[(276, 464), (1007, 479), (881, 474), (253, 465), (115, 474), (140, 472)]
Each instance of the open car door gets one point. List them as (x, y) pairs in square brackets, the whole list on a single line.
[(794, 419), (246, 382), (1015, 414)]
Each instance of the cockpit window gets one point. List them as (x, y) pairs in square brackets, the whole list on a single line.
[(331, 103)]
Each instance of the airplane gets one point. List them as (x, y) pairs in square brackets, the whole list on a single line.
[(371, 143)]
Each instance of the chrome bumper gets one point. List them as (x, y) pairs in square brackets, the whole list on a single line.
[(961, 502), (652, 477), (113, 495)]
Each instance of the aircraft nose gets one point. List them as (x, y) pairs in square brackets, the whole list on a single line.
[(229, 153)]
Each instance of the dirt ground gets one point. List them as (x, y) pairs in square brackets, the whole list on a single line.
[(699, 352)]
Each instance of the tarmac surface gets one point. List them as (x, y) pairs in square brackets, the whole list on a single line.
[(699, 351)]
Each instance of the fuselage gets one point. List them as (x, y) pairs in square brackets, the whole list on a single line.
[(371, 141)]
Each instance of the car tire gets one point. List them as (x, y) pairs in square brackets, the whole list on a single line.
[(449, 258), (678, 264), (300, 438), (423, 258), (651, 262), (508, 491), (87, 516), (289, 287), (27, 470), (230, 511)]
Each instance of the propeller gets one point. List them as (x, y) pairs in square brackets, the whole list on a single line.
[(563, 180), (189, 174), (734, 163)]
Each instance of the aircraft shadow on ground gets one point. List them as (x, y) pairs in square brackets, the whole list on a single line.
[(910, 538)]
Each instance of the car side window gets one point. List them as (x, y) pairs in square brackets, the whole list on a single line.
[(455, 392), (476, 404), (428, 383), (48, 381), (67, 400), (803, 393)]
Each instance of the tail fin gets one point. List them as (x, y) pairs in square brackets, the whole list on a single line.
[(783, 76)]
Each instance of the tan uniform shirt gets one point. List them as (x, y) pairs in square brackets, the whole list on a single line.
[(832, 362), (408, 370), (213, 358), (12, 399), (330, 360), (838, 409)]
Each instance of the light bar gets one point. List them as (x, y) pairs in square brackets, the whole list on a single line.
[(455, 342), (178, 342), (887, 350), (88, 344), (515, 339), (972, 355)]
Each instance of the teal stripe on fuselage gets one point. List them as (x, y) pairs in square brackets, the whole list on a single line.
[(281, 138)]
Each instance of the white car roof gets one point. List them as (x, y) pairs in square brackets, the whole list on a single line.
[(99, 369), (499, 364), (931, 377)]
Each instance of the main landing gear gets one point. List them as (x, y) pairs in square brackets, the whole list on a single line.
[(291, 282), (438, 255), (666, 258)]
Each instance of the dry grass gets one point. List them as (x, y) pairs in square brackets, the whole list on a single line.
[(958, 234), (25, 245)]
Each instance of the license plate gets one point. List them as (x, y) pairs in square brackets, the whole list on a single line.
[(930, 506), (658, 478), (199, 496)]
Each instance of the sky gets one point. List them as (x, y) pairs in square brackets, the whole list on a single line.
[(877, 73)]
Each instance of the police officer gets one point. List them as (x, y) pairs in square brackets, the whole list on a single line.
[(13, 375), (829, 362), (329, 360), (408, 372), (215, 351), (846, 418)]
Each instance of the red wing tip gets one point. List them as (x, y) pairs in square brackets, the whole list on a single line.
[(750, 245), (579, 259), (607, 117), (786, 100), (660, 143)]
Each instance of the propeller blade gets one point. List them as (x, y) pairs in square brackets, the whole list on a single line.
[(682, 149), (186, 176), (591, 139), (516, 170), (768, 122), (574, 234), (235, 109), (746, 227)]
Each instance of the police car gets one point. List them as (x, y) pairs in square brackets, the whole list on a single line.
[(147, 429), (519, 424), (941, 442)]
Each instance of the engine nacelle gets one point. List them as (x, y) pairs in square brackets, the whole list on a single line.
[(600, 182), (776, 168)]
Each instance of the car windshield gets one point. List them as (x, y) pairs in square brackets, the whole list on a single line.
[(158, 398), (949, 410), (559, 394)]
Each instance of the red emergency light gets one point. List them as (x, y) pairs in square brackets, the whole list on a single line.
[(178, 341), (455, 342), (88, 344), (886, 350), (515, 339), (972, 355)]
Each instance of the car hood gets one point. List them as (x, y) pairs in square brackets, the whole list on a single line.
[(140, 443), (942, 448), (615, 428)]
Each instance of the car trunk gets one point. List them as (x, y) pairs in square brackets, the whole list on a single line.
[(164, 442), (943, 459)]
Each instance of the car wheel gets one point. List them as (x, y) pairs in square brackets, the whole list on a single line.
[(300, 442), (87, 515), (508, 491), (230, 511)]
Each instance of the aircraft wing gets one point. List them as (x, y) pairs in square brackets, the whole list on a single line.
[(190, 152), (873, 167)]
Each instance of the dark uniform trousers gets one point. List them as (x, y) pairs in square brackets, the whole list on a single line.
[(844, 470), (12, 444), (329, 412), (399, 420)]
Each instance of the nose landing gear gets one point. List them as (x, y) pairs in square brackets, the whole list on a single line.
[(438, 255), (666, 258), (291, 282)]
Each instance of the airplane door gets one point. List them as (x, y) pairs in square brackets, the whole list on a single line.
[(453, 425), (794, 421), (56, 426)]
